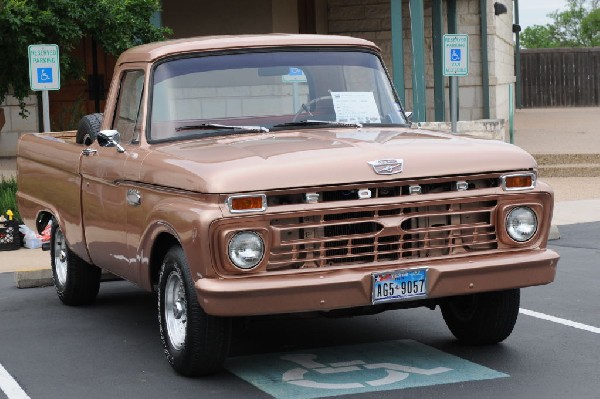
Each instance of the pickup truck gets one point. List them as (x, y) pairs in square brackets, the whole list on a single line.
[(279, 174)]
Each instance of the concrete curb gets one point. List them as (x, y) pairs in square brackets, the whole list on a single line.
[(37, 278), (33, 278)]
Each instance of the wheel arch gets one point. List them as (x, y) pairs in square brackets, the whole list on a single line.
[(161, 245)]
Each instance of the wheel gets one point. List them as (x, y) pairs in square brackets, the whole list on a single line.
[(194, 342), (88, 128), (482, 319), (305, 108), (76, 281)]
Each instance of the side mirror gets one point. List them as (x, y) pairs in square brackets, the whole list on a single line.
[(110, 138), (409, 115)]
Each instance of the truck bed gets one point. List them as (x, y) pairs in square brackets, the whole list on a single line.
[(48, 176)]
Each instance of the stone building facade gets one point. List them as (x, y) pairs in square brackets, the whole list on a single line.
[(371, 20)]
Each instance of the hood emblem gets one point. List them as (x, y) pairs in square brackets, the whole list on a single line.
[(387, 166)]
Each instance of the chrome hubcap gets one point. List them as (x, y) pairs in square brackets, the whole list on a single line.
[(60, 256), (175, 310)]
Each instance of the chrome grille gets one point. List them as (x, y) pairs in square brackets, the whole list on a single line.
[(382, 233)]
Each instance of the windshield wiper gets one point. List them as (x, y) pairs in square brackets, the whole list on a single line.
[(310, 122), (211, 126)]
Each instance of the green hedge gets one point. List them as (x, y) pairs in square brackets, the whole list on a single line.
[(8, 196)]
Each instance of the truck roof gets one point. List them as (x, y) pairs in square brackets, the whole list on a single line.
[(153, 51)]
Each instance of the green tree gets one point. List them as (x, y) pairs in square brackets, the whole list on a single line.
[(590, 27), (115, 24), (577, 26), (539, 36)]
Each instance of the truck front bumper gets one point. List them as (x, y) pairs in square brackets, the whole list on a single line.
[(329, 289)]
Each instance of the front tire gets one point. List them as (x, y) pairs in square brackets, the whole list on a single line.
[(482, 319), (194, 342), (76, 281)]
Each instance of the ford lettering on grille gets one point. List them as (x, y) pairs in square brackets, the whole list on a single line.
[(387, 166)]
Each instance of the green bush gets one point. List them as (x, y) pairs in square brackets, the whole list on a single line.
[(8, 196)]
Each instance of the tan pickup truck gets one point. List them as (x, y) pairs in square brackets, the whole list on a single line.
[(270, 174)]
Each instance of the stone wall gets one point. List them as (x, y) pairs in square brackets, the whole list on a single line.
[(16, 125), (371, 20)]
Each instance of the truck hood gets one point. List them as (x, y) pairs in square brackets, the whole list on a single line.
[(317, 157)]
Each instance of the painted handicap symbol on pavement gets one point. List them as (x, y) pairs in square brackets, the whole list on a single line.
[(395, 372), (342, 370)]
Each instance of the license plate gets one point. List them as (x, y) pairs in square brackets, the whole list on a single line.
[(399, 285)]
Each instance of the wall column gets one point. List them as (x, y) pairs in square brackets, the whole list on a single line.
[(417, 27), (438, 66), (398, 48)]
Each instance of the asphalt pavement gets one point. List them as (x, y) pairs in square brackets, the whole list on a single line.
[(112, 349)]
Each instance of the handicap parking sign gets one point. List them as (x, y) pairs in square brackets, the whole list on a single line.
[(44, 67), (44, 75), (455, 54)]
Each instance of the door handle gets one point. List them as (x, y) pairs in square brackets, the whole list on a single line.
[(133, 197), (89, 151)]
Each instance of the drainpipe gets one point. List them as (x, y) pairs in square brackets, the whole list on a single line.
[(517, 30), (485, 73)]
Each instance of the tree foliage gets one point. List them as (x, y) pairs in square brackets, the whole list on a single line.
[(115, 24), (577, 26)]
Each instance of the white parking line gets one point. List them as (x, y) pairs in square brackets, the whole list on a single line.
[(10, 387), (558, 320)]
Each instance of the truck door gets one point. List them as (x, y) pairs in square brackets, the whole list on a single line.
[(107, 175)]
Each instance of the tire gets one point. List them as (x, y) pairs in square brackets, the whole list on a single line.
[(194, 342), (482, 319), (88, 128), (76, 281)]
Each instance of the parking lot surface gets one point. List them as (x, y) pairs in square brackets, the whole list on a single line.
[(112, 349)]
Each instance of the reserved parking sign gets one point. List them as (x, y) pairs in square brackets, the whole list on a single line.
[(44, 69)]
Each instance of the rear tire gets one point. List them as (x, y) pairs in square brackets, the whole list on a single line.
[(482, 319), (88, 128), (194, 342), (76, 281)]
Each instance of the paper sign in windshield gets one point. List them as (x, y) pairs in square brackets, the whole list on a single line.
[(355, 106)]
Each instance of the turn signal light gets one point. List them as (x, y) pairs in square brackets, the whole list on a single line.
[(247, 203), (521, 181)]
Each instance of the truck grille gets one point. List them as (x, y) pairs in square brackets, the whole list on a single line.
[(383, 233)]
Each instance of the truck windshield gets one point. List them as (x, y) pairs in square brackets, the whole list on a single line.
[(270, 89)]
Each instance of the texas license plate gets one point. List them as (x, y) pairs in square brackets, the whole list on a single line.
[(399, 285)]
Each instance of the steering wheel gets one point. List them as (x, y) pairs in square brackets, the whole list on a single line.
[(305, 108)]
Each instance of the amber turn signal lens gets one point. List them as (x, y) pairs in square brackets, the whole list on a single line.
[(246, 203), (518, 181)]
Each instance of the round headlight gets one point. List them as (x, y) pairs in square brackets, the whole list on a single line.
[(521, 223), (246, 249)]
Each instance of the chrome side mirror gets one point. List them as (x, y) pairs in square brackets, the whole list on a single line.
[(110, 138), (409, 115)]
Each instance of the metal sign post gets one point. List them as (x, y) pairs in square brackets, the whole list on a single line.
[(44, 74), (456, 63)]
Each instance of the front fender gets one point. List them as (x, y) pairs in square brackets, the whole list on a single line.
[(187, 220)]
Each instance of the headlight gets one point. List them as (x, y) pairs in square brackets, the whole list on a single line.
[(246, 249), (521, 223)]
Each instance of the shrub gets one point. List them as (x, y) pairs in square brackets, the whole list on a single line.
[(8, 196)]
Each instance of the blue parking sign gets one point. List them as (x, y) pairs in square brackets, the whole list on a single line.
[(44, 75)]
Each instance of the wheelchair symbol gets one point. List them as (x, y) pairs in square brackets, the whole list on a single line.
[(44, 75), (395, 372), (455, 54)]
